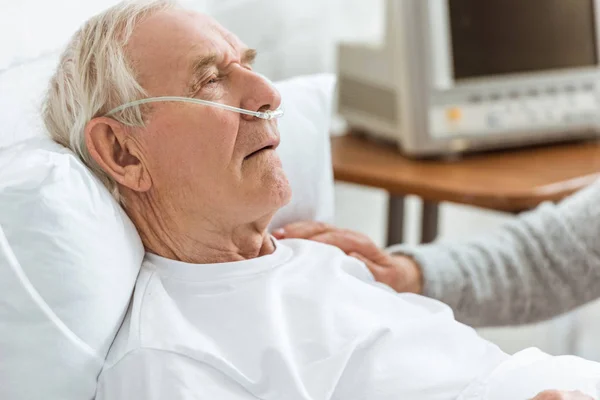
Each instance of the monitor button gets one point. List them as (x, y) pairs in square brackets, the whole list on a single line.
[(494, 120), (454, 114)]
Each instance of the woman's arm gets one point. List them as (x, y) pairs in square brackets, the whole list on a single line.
[(544, 263)]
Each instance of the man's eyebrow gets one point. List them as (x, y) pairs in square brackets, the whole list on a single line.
[(200, 66), (249, 56)]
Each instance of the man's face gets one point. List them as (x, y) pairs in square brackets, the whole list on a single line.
[(201, 159)]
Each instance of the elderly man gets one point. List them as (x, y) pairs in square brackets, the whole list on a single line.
[(222, 310)]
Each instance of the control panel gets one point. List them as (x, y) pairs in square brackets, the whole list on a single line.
[(516, 110)]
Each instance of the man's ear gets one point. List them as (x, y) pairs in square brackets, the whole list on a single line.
[(116, 153)]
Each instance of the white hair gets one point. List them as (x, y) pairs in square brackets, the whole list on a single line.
[(94, 76)]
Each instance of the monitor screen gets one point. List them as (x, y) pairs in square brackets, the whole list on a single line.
[(496, 37)]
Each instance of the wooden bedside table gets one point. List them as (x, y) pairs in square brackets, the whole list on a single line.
[(510, 181)]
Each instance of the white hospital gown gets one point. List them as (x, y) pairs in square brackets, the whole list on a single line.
[(306, 322)]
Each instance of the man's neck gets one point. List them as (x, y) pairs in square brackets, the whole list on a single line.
[(207, 243)]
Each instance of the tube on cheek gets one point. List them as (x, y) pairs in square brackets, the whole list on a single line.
[(268, 115)]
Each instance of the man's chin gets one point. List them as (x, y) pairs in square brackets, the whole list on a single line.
[(288, 197), (284, 190), (274, 191), (279, 196), (280, 192)]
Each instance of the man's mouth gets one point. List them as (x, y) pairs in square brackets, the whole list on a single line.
[(270, 147)]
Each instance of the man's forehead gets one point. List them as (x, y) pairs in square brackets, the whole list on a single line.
[(170, 42), (175, 33)]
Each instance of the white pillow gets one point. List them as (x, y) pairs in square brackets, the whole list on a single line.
[(21, 92), (69, 255)]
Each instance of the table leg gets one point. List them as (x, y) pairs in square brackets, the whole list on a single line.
[(429, 221), (395, 233)]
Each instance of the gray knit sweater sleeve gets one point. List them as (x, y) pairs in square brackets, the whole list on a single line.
[(544, 263)]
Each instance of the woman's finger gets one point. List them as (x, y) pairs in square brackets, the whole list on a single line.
[(347, 242), (373, 267), (302, 230), (558, 395)]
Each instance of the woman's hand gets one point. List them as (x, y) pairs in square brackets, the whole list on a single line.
[(557, 395), (399, 272)]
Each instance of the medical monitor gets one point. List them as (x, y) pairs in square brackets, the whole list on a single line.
[(461, 75)]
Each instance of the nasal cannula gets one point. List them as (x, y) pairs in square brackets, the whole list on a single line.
[(270, 114)]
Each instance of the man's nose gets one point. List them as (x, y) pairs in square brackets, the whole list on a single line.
[(260, 94)]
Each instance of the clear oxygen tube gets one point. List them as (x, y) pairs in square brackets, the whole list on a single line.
[(268, 115)]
